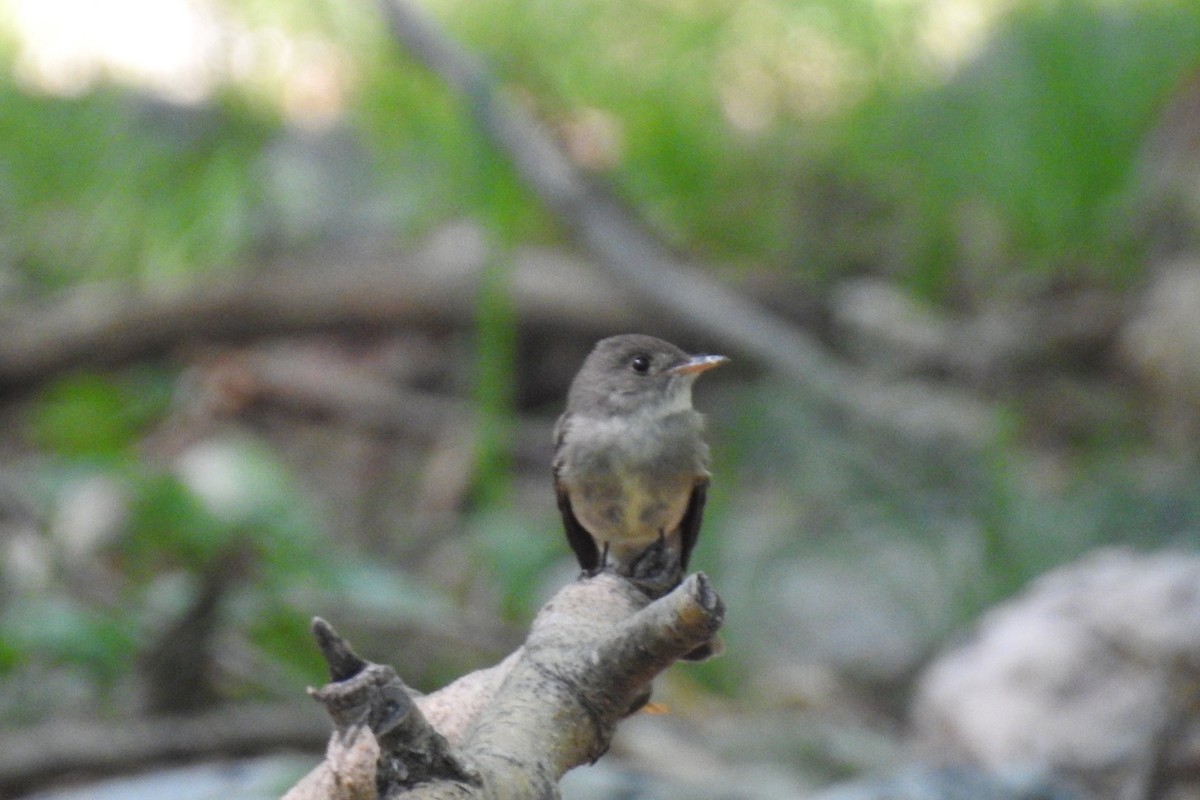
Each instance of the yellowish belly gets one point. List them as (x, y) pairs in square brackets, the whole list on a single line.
[(633, 512)]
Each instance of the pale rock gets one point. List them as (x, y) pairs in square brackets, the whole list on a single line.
[(1090, 674)]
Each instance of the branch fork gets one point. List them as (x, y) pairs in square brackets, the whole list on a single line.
[(511, 730)]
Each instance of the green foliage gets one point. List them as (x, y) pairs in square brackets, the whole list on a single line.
[(637, 79), (717, 120), (87, 415), (58, 631), (495, 382), (721, 114), (280, 630), (378, 589), (1033, 144), (227, 506), (517, 552), (108, 186), (169, 528), (428, 147)]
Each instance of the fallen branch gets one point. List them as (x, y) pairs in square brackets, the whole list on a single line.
[(34, 755), (513, 730), (98, 326)]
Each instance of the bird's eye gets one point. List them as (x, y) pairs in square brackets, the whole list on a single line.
[(640, 364)]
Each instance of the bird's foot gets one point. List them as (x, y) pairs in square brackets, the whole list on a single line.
[(601, 565), (656, 570)]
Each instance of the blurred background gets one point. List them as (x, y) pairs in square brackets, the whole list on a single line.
[(283, 334)]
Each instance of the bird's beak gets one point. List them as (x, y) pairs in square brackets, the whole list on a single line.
[(697, 364)]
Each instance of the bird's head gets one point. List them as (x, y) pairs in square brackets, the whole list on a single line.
[(634, 373)]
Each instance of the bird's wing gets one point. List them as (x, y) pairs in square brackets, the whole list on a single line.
[(689, 526), (586, 550), (577, 536)]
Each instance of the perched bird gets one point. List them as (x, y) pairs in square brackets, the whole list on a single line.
[(630, 466)]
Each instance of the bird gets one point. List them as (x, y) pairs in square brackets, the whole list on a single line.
[(630, 462)]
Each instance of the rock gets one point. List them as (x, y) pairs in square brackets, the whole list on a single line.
[(1090, 674)]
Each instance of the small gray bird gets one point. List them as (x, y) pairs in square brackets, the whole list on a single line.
[(630, 466)]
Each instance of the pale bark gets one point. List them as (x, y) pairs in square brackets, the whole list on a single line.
[(514, 729)]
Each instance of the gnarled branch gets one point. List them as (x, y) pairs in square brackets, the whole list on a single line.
[(512, 730)]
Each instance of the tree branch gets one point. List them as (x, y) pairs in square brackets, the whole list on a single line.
[(98, 326), (513, 730)]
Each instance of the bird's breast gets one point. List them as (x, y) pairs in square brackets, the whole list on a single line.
[(638, 443), (631, 479)]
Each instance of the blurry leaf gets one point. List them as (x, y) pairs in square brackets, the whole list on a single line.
[(238, 480), (10, 652), (118, 185), (377, 589), (1030, 151), (516, 553), (170, 526), (247, 487), (61, 631), (95, 416), (495, 381), (283, 633)]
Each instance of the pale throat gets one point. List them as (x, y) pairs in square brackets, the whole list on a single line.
[(634, 437), (677, 398)]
